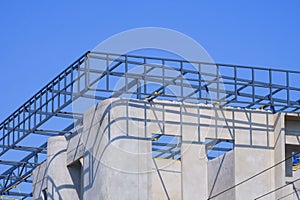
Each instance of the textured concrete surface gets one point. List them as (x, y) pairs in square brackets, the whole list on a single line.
[(116, 165), (279, 171), (252, 131), (221, 176), (166, 179), (75, 149), (117, 158), (39, 181), (60, 185)]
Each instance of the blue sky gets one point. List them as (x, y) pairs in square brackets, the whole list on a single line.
[(40, 38)]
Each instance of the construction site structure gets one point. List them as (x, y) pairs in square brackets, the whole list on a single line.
[(116, 126)]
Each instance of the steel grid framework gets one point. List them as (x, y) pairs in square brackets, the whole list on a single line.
[(100, 76)]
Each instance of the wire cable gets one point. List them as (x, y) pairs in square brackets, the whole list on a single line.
[(277, 189), (251, 177)]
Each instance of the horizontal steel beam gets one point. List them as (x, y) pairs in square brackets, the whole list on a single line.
[(18, 194), (80, 79), (11, 162)]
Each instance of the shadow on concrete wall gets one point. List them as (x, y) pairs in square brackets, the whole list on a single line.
[(224, 123)]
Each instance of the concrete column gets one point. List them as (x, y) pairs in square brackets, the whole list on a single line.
[(194, 172), (279, 154), (39, 182), (221, 176), (59, 182), (117, 158)]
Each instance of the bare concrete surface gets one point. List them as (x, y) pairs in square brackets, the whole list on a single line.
[(116, 151)]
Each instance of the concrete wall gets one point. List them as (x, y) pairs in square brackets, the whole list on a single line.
[(39, 182), (117, 163), (60, 183), (116, 146), (279, 171), (166, 179), (296, 185), (221, 176), (75, 148), (115, 123)]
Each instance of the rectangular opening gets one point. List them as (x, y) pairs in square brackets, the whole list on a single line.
[(293, 163), (44, 194), (166, 146), (75, 170), (217, 147), (296, 161)]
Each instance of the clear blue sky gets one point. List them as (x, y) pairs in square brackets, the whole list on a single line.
[(40, 38)]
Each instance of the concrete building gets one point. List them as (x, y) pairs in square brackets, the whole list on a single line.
[(112, 158), (114, 126)]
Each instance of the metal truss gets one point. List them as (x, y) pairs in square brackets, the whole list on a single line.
[(100, 76), (166, 147), (217, 147)]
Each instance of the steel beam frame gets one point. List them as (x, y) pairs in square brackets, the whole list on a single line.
[(238, 86)]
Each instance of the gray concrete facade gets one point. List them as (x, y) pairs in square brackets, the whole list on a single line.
[(112, 157)]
